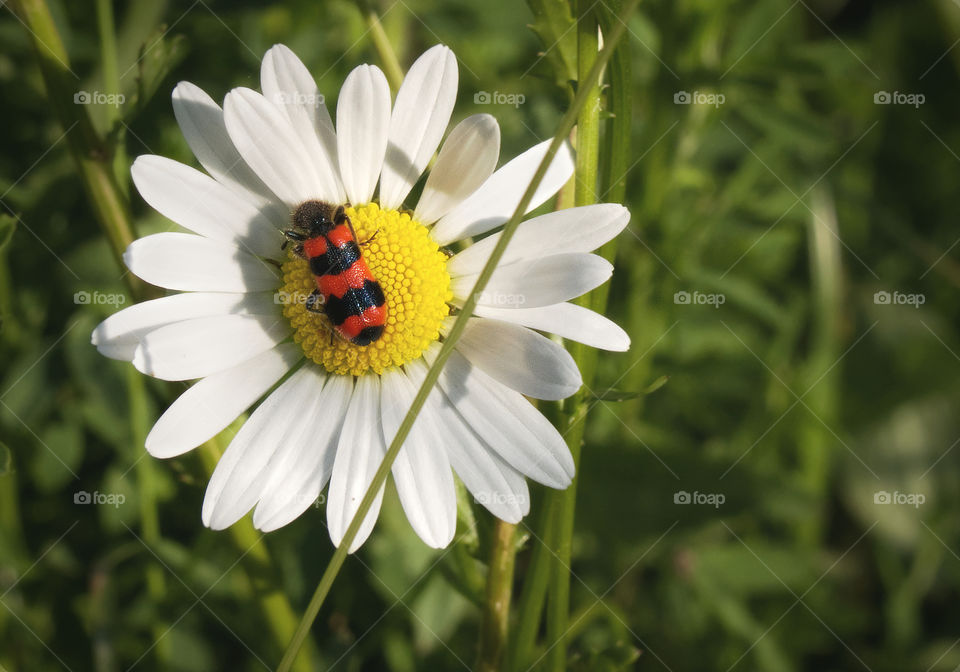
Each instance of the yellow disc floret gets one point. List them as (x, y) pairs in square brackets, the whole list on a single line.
[(411, 270)]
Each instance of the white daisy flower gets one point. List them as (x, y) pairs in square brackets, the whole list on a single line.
[(340, 404)]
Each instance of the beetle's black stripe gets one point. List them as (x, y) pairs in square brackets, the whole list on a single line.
[(335, 260), (353, 302), (367, 335)]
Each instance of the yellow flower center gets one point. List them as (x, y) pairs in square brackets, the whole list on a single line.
[(411, 270)]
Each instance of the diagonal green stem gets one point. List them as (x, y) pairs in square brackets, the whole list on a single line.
[(336, 562)]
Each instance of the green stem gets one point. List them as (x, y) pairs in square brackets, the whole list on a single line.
[(259, 568), (616, 149), (534, 593), (90, 153), (111, 82), (573, 415), (391, 65), (149, 520), (496, 609), (339, 556)]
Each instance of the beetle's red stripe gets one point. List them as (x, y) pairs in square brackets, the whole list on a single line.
[(315, 247), (352, 278), (340, 235), (375, 316)]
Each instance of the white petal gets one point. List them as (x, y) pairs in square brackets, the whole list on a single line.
[(197, 348), (267, 141), (572, 230), (198, 202), (210, 405), (268, 444), (466, 160), (494, 483), (567, 320), (187, 262), (492, 204), (284, 77), (521, 359), (507, 422), (540, 282), (363, 121), (288, 84), (359, 453), (302, 486), (420, 116), (422, 470), (201, 121), (118, 335)]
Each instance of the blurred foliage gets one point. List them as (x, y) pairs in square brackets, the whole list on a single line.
[(798, 399)]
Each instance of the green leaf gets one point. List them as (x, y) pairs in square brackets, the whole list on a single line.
[(615, 394), (554, 25), (657, 384), (157, 57)]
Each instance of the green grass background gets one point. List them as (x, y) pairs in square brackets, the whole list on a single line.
[(797, 399)]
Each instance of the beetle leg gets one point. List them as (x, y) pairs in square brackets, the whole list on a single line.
[(370, 239)]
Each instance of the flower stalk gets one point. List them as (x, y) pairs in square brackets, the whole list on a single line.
[(534, 593), (496, 608), (562, 504), (573, 411)]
